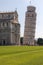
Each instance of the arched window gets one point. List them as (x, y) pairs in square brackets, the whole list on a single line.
[(3, 23), (7, 23)]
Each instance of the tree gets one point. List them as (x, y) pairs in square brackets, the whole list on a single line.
[(40, 41), (21, 40)]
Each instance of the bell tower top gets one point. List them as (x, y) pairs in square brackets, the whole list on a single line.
[(31, 8)]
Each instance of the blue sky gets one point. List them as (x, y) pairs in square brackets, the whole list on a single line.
[(21, 5)]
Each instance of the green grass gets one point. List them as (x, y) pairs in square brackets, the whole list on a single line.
[(21, 55)]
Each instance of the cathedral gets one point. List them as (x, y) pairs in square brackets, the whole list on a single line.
[(9, 28)]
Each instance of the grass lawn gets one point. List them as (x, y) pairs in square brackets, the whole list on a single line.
[(21, 55)]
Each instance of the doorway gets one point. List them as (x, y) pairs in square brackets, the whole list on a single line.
[(4, 42)]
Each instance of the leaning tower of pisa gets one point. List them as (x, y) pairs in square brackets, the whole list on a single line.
[(30, 25)]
